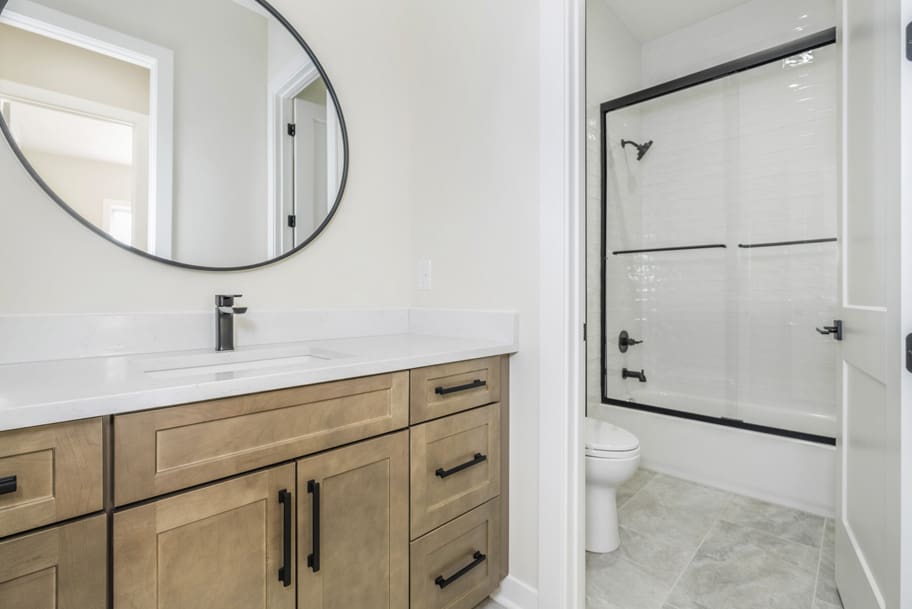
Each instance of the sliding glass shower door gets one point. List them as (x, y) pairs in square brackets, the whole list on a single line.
[(720, 247)]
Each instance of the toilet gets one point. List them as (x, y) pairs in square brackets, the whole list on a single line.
[(612, 457)]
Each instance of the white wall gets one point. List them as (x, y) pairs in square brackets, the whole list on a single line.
[(54, 265), (475, 193)]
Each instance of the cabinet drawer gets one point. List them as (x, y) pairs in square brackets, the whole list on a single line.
[(63, 567), (455, 466), (457, 566), (173, 448), (50, 473), (438, 391)]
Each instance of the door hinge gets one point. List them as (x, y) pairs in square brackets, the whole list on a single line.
[(292, 221), (909, 352), (585, 332), (292, 129), (909, 41)]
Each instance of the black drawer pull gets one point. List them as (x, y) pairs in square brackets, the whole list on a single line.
[(8, 485), (446, 473), (443, 582), (285, 570), (313, 560), (448, 390)]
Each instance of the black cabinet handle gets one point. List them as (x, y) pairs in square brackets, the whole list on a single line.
[(285, 570), (448, 390), (8, 485), (443, 582), (446, 473), (313, 560)]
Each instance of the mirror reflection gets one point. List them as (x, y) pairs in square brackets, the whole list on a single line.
[(202, 133)]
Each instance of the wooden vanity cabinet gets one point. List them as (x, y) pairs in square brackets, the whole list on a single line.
[(380, 492), (228, 545), (353, 526)]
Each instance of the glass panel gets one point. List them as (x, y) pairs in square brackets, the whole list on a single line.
[(745, 161)]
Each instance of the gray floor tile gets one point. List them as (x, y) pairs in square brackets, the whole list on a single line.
[(776, 520), (630, 488), (826, 577), (742, 568), (819, 604), (661, 556), (671, 509), (613, 582)]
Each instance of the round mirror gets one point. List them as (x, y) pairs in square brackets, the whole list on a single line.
[(203, 134)]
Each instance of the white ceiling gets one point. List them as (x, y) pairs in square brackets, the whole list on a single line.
[(651, 19), (73, 135)]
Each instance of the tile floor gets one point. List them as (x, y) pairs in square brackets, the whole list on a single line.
[(686, 546)]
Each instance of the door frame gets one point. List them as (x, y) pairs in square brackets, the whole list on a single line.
[(37, 19), (562, 267), (279, 150)]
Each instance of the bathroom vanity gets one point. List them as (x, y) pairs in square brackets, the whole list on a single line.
[(387, 490)]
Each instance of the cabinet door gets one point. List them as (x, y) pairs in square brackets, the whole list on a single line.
[(353, 527), (60, 568), (226, 545)]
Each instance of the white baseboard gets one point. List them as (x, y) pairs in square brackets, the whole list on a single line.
[(515, 594)]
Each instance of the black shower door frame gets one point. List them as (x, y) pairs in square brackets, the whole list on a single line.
[(748, 62)]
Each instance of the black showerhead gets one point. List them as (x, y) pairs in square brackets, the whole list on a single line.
[(642, 149)]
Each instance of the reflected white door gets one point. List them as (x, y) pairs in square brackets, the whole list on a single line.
[(872, 561), (310, 167)]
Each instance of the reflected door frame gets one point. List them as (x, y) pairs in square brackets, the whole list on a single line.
[(280, 237), (38, 19)]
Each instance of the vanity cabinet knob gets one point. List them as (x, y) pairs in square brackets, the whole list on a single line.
[(442, 582), (285, 569), (8, 485), (448, 390), (446, 473), (313, 559)]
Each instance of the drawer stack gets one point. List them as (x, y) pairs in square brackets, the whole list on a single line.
[(458, 459), (49, 475)]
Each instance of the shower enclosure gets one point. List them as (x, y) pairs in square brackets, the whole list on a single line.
[(719, 244)]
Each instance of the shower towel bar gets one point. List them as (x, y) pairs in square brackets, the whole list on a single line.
[(670, 249), (781, 243)]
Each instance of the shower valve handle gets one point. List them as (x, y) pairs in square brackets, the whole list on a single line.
[(624, 341)]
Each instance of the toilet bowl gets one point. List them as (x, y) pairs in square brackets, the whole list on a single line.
[(612, 457)]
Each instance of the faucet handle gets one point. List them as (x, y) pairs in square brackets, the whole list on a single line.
[(226, 300)]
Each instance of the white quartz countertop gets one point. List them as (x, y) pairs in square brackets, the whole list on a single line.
[(44, 392)]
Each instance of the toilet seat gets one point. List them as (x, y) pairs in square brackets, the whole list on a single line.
[(607, 441)]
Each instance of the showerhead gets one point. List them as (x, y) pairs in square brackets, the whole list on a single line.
[(642, 149)]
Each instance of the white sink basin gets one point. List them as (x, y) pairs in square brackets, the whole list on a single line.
[(242, 360)]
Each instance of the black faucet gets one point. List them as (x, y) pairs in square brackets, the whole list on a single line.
[(630, 374), (224, 321)]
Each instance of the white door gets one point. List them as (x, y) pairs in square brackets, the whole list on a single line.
[(310, 167), (874, 511)]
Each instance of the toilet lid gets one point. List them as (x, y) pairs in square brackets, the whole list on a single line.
[(605, 437)]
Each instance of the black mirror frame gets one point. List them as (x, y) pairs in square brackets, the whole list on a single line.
[(332, 212)]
